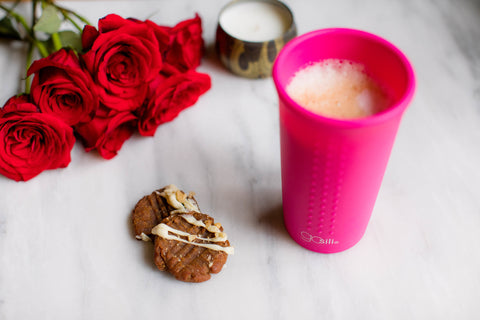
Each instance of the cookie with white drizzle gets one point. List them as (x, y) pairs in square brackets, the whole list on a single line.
[(190, 246), (153, 208)]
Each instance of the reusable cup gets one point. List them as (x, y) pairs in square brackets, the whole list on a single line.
[(332, 169)]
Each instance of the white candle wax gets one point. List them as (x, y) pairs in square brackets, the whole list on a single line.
[(255, 21)]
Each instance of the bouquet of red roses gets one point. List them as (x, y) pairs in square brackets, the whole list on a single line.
[(128, 76)]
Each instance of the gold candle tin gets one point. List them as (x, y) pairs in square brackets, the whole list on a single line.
[(252, 59)]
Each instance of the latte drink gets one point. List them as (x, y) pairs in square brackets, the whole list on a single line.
[(338, 89)]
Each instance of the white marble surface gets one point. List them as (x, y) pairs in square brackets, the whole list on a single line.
[(67, 251)]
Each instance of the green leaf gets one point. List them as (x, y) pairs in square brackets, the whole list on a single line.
[(49, 22), (71, 39), (7, 30)]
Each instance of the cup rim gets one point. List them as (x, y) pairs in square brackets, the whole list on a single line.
[(393, 111), (274, 2)]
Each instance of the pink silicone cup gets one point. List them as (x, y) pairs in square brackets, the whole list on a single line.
[(332, 169)]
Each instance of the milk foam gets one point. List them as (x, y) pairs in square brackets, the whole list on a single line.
[(338, 89)]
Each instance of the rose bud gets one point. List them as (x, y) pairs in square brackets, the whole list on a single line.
[(31, 141), (123, 58), (62, 88), (168, 97)]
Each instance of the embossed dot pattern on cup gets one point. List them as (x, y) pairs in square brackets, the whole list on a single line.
[(313, 187), (326, 186)]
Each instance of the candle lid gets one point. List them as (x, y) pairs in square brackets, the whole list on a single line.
[(250, 34)]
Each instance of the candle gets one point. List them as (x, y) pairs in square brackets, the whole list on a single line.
[(250, 33), (255, 21)]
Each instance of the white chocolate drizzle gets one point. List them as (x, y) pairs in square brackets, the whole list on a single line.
[(199, 223), (164, 231), (178, 200), (142, 236)]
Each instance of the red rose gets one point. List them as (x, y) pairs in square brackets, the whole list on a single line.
[(62, 88), (30, 141), (107, 131), (168, 97), (124, 56), (186, 46)]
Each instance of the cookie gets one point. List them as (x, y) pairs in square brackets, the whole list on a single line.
[(153, 208), (190, 246), (188, 243)]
